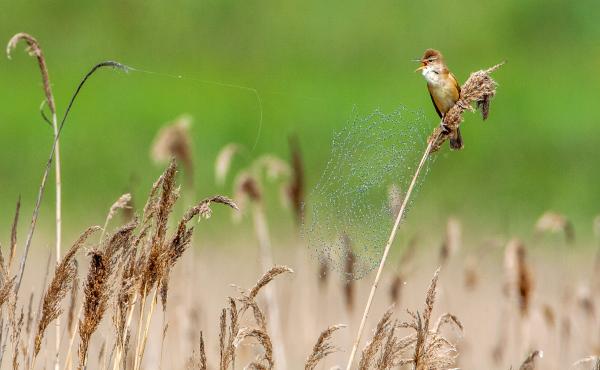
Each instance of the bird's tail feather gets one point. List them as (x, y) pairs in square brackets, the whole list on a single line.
[(456, 141)]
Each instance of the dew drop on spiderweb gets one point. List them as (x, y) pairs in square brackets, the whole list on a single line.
[(349, 214)]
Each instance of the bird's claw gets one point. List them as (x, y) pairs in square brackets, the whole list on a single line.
[(445, 128)]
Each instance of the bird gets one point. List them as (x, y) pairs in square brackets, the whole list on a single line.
[(443, 88)]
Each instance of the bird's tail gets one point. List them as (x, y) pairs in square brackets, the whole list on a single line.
[(456, 141)]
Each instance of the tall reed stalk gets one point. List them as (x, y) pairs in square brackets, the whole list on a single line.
[(262, 233), (386, 251), (35, 50)]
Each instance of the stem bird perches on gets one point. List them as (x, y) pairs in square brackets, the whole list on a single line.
[(479, 89)]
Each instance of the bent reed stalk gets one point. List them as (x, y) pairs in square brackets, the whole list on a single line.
[(390, 241), (34, 49)]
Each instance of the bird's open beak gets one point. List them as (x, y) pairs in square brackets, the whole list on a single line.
[(420, 68)]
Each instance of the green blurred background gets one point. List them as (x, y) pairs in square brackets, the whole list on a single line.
[(311, 62)]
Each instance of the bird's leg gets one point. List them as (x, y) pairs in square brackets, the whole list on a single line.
[(445, 128)]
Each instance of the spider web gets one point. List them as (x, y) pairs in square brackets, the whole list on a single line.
[(350, 209)]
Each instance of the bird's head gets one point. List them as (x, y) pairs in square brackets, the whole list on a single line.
[(432, 61)]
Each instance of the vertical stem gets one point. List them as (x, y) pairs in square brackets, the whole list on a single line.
[(121, 348), (262, 233), (140, 354), (58, 224), (411, 187), (68, 361), (140, 326)]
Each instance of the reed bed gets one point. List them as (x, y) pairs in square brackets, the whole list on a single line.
[(499, 305)]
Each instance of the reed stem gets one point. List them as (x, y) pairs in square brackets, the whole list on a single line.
[(411, 187)]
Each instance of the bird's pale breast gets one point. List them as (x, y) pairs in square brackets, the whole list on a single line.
[(444, 93)]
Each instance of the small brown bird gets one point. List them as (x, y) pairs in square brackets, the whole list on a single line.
[(443, 88)]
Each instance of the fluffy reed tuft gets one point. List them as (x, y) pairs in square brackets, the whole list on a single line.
[(97, 288), (322, 348), (594, 361), (452, 240), (223, 161), (173, 140), (479, 88), (266, 279), (34, 50), (198, 359), (64, 275), (370, 350), (554, 222), (518, 275), (431, 349), (263, 339), (529, 363)]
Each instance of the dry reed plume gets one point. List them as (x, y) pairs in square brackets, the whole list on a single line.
[(553, 222), (322, 348), (64, 275), (424, 349), (519, 276), (529, 363), (173, 140)]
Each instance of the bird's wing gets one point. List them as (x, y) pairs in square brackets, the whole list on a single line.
[(434, 103), (455, 83)]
